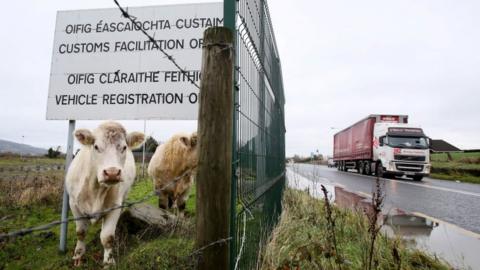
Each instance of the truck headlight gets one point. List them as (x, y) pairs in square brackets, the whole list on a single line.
[(391, 166), (427, 168)]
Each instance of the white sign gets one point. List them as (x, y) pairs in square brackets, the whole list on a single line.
[(104, 67)]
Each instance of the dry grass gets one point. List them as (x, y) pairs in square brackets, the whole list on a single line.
[(46, 189), (29, 181), (470, 160), (373, 220)]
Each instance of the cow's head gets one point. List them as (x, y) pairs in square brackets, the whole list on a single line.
[(191, 144), (109, 144)]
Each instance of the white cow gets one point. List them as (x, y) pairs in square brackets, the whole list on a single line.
[(99, 178)]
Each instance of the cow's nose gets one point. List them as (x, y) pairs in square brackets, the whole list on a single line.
[(112, 173)]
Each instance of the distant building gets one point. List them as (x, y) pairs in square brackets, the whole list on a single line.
[(440, 146)]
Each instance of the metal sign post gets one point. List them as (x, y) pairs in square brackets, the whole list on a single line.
[(143, 155), (63, 228)]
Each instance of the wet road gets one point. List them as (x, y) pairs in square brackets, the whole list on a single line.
[(456, 203)]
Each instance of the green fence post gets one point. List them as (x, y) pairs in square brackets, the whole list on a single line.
[(258, 129), (229, 14)]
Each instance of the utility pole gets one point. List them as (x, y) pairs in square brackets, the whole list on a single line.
[(214, 173)]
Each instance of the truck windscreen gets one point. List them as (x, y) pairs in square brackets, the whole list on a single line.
[(408, 142)]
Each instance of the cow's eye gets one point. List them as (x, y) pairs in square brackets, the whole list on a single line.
[(124, 148), (96, 147)]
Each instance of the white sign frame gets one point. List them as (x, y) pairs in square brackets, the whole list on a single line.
[(102, 69)]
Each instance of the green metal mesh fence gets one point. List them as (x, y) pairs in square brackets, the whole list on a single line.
[(259, 131)]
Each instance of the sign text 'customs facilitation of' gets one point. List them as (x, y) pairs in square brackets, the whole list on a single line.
[(104, 67)]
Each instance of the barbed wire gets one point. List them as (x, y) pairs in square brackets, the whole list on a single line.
[(139, 25), (199, 250), (96, 215)]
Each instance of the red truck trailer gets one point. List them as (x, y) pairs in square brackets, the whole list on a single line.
[(384, 144), (355, 142)]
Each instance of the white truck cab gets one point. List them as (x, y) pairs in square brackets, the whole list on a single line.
[(401, 149)]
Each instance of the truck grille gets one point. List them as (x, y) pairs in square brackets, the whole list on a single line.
[(409, 158), (409, 167)]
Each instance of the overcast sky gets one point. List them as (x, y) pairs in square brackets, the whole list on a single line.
[(342, 60)]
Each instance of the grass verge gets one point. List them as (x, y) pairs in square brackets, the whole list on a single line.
[(464, 167), (300, 241), (40, 250), (456, 176)]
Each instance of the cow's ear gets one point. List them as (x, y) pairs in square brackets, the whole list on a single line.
[(185, 141), (135, 139), (194, 139), (84, 136)]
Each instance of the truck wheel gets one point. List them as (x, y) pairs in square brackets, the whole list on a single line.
[(368, 168), (345, 168), (379, 170), (417, 178), (361, 169)]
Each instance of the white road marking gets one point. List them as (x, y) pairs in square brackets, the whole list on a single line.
[(364, 194), (299, 182), (316, 177), (338, 185)]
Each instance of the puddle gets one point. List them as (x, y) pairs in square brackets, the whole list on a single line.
[(408, 226), (455, 245)]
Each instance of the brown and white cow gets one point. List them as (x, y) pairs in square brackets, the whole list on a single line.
[(99, 178), (173, 169)]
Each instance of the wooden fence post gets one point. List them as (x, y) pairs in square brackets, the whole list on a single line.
[(213, 181)]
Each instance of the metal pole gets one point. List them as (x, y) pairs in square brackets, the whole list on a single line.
[(143, 156), (64, 226), (229, 14), (261, 146)]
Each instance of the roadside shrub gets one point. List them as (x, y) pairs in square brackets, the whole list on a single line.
[(53, 153), (470, 160), (9, 155)]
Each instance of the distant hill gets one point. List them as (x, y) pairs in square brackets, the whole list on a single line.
[(18, 148)]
